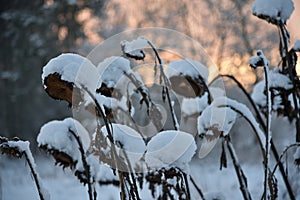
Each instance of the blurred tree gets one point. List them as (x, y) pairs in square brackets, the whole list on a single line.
[(32, 32)]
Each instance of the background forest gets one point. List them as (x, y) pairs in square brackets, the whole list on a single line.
[(35, 31)]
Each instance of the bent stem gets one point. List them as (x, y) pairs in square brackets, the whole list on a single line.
[(85, 164), (283, 153), (197, 188), (166, 85), (110, 137), (262, 123), (238, 169), (35, 176)]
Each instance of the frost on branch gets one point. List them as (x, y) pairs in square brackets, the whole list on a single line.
[(170, 149), (188, 77), (57, 138), (63, 74), (134, 48), (18, 148), (273, 11)]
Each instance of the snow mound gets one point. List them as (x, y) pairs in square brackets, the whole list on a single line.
[(72, 68), (191, 106), (112, 69), (277, 81), (273, 10), (128, 141), (170, 149), (134, 48), (215, 120), (100, 172), (56, 135), (187, 67)]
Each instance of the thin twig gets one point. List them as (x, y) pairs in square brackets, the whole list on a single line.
[(197, 188), (166, 85), (283, 153), (85, 164), (262, 123), (238, 169), (35, 177)]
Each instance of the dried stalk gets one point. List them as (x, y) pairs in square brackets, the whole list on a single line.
[(85, 164), (262, 123), (238, 170), (35, 177), (197, 188), (287, 62), (283, 153), (166, 85)]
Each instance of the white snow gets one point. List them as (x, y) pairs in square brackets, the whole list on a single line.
[(215, 118), (56, 134), (23, 146), (224, 101), (297, 153), (296, 46), (191, 106), (258, 95), (170, 149), (274, 10), (109, 102), (216, 92), (112, 69), (128, 141), (99, 171), (213, 122), (276, 80), (187, 67), (135, 47), (260, 57), (72, 68)]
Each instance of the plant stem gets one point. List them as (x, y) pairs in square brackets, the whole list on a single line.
[(166, 85), (239, 172), (35, 176), (268, 133), (262, 123), (85, 164), (197, 188), (289, 64), (283, 153)]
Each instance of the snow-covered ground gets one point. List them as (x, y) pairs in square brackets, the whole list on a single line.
[(16, 181)]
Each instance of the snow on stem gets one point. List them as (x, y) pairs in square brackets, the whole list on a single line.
[(262, 123), (123, 176), (245, 113), (261, 61), (17, 148)]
